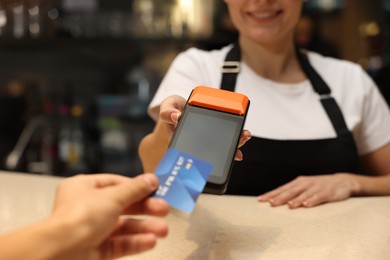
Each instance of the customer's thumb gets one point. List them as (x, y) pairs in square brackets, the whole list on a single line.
[(134, 190)]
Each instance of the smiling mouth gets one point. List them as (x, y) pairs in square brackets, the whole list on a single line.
[(264, 15)]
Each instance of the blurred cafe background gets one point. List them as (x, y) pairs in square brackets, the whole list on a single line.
[(76, 76)]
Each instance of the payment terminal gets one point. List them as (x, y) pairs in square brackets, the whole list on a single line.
[(210, 129)]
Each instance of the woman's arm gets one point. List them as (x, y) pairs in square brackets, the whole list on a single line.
[(376, 163), (153, 146), (309, 191)]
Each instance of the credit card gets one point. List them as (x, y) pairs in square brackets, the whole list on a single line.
[(182, 178)]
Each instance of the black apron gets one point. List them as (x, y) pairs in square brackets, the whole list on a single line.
[(269, 164)]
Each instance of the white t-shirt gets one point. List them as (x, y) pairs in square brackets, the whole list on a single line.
[(289, 111)]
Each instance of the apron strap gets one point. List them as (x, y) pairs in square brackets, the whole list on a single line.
[(232, 66), (324, 94)]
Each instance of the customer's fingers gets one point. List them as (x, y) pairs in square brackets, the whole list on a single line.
[(133, 190), (127, 226), (149, 206), (103, 180), (128, 245)]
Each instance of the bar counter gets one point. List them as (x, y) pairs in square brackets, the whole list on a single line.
[(233, 227)]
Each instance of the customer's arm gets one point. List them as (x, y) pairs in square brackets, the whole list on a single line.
[(87, 221)]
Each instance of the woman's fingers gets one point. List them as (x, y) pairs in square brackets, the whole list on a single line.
[(170, 112), (310, 191), (171, 109), (245, 136)]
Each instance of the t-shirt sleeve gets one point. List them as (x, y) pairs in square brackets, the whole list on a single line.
[(183, 75), (374, 131)]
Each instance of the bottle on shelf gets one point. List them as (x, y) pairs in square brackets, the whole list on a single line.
[(77, 159)]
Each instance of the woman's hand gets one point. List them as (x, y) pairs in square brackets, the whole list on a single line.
[(310, 191), (170, 111), (245, 136)]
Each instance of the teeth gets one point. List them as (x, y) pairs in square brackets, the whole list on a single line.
[(263, 15)]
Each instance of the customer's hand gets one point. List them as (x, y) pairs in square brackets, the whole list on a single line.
[(309, 191), (88, 209), (170, 111)]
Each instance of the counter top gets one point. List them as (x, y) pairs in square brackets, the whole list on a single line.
[(234, 227)]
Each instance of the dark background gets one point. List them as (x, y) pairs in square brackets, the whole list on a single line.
[(78, 87)]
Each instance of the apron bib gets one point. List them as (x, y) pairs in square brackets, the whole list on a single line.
[(269, 164)]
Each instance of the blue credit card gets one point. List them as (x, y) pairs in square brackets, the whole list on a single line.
[(182, 178)]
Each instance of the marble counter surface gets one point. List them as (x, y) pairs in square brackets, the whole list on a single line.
[(234, 227)]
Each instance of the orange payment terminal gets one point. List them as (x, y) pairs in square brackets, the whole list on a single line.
[(210, 129)]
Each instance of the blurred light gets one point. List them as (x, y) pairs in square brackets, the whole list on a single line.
[(53, 13), (369, 29), (3, 18), (327, 4), (186, 5), (34, 10), (34, 28), (324, 5), (193, 18)]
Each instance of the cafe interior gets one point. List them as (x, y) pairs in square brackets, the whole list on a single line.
[(76, 79)]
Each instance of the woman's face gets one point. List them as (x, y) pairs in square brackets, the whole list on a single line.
[(265, 21)]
